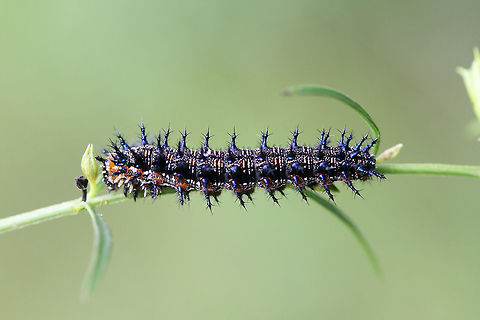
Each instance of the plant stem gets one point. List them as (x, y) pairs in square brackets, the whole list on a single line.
[(55, 211), (430, 168)]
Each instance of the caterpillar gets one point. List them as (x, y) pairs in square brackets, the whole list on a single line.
[(149, 167)]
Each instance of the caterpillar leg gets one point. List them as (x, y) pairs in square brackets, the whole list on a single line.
[(240, 200), (299, 185), (206, 192), (182, 194), (323, 182), (267, 184), (349, 183)]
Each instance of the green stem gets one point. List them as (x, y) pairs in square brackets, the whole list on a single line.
[(55, 211), (93, 190), (429, 168)]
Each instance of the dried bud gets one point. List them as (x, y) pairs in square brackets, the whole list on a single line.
[(390, 153), (82, 184)]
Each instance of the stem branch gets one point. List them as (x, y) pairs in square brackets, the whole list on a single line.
[(429, 168), (55, 211)]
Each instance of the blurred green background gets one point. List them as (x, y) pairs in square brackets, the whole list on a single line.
[(73, 71)]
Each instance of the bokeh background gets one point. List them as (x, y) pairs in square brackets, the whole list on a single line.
[(73, 71)]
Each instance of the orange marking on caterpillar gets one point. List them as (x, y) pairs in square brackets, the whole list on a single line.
[(232, 182), (267, 183), (157, 178), (299, 179), (181, 182)]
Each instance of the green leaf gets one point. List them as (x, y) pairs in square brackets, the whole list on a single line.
[(332, 93), (102, 245), (349, 223), (334, 189)]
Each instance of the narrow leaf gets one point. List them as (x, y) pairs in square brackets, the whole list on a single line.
[(334, 189), (349, 223), (102, 245), (332, 93)]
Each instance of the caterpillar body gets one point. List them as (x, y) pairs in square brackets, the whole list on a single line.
[(147, 168)]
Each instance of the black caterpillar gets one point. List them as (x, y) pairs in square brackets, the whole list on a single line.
[(149, 167)]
